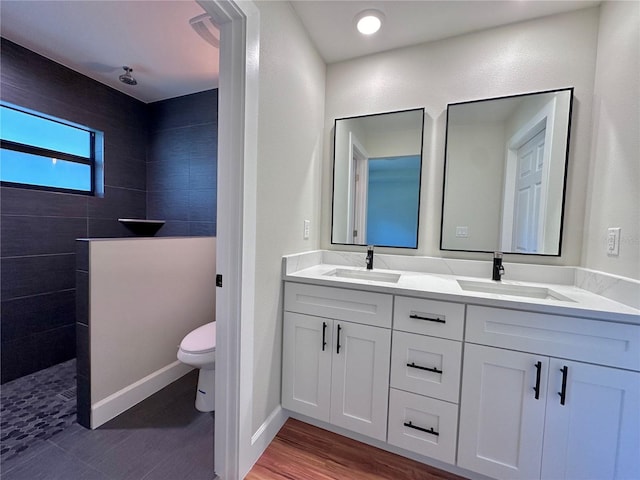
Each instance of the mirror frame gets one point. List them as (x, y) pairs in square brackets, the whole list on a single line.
[(333, 177), (564, 181)]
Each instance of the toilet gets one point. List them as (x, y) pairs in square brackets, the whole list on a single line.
[(198, 349)]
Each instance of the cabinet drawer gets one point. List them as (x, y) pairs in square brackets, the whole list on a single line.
[(339, 303), (429, 317), (426, 365), (600, 342), (423, 414)]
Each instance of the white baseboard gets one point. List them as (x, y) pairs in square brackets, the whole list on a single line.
[(115, 404), (261, 439)]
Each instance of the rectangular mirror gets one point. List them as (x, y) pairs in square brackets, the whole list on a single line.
[(377, 164), (505, 169)]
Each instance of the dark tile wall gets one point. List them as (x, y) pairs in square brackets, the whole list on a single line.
[(38, 228), (182, 164), (83, 346)]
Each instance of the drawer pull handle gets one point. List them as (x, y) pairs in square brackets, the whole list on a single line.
[(563, 392), (338, 342), (428, 369), (425, 430), (324, 335), (428, 319), (537, 387)]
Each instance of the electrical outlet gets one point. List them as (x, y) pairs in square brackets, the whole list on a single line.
[(462, 232), (307, 228), (613, 241)]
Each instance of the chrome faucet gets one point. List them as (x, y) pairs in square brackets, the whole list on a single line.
[(498, 269), (369, 259)]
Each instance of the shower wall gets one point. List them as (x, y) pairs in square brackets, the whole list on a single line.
[(38, 228), (38, 231), (182, 164)]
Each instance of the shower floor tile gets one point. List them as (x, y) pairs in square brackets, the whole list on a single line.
[(162, 438), (36, 407)]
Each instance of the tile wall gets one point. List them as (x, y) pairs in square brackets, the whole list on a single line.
[(38, 228), (182, 164)]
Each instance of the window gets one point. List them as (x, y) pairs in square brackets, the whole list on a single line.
[(43, 152)]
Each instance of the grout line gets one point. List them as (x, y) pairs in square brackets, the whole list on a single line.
[(40, 294)]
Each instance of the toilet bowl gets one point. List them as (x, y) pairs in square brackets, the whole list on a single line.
[(198, 349)]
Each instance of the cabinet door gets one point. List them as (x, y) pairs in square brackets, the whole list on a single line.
[(360, 378), (596, 433), (501, 421), (306, 365)]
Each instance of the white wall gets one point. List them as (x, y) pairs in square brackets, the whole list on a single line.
[(547, 53), (614, 188), (290, 121), (145, 295), (478, 183)]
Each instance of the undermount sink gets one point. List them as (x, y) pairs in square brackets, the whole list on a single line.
[(373, 275), (513, 290)]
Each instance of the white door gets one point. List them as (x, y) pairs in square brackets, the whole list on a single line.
[(360, 378), (526, 222), (501, 420), (306, 365), (596, 433)]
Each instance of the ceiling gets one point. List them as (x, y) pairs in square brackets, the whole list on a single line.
[(331, 23), (96, 38)]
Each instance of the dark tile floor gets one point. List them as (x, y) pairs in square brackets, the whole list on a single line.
[(36, 407), (162, 438)]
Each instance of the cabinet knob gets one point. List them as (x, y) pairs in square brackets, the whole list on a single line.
[(324, 335), (537, 387), (415, 316), (563, 391), (422, 429), (428, 369)]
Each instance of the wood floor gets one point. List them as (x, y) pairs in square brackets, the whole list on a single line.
[(304, 452)]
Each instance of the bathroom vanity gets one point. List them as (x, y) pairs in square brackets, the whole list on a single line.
[(512, 379)]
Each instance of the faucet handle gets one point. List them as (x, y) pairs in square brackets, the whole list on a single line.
[(369, 259)]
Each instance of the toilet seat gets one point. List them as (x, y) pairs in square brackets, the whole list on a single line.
[(200, 340)]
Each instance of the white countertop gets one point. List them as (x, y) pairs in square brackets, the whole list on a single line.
[(445, 287)]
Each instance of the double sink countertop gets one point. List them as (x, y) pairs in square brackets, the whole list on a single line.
[(541, 297)]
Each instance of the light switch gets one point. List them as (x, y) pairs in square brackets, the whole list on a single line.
[(613, 241), (307, 227)]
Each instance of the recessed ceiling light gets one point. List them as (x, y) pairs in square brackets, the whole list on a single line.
[(369, 21)]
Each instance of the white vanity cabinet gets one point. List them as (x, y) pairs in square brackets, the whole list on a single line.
[(595, 433), (506, 393), (425, 376), (530, 414), (334, 369)]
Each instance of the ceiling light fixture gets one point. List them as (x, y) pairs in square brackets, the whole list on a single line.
[(369, 21), (126, 77)]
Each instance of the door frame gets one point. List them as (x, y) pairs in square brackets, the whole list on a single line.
[(238, 21), (357, 191)]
